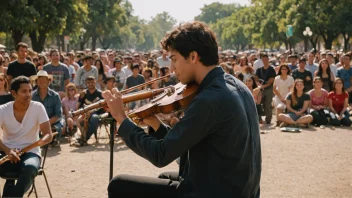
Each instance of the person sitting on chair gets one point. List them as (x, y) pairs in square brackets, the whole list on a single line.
[(21, 121), (51, 101), (88, 123)]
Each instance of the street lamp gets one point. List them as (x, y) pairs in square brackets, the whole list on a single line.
[(308, 33)]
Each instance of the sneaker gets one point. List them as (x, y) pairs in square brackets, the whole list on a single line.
[(322, 126), (79, 143), (302, 125), (283, 125), (278, 123), (55, 143)]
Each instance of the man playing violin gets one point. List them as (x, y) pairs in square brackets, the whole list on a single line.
[(217, 138), (21, 121)]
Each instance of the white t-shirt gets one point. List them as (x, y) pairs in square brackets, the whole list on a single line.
[(333, 69), (120, 77), (127, 70), (283, 85), (257, 64), (71, 70), (19, 135), (163, 62)]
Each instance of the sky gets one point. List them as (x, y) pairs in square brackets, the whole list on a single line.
[(181, 10)]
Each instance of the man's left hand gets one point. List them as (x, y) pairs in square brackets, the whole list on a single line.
[(114, 101)]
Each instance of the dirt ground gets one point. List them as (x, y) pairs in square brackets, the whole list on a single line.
[(314, 163)]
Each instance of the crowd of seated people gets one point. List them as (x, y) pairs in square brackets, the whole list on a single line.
[(308, 88)]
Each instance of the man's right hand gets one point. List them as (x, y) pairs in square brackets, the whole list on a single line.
[(13, 156)]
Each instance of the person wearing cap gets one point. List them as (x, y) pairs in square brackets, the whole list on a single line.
[(87, 97), (83, 72), (118, 74), (51, 101), (302, 73), (21, 66), (111, 58), (137, 58), (163, 60)]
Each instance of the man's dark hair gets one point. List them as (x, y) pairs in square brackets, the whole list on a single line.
[(21, 44), (135, 66), (16, 82), (264, 56), (193, 36), (52, 51)]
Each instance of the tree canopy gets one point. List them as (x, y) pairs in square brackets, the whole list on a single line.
[(113, 23)]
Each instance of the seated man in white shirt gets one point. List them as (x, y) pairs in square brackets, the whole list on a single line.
[(21, 121)]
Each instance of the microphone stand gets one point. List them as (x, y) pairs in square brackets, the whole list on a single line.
[(110, 120), (112, 132)]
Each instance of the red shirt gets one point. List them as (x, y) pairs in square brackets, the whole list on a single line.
[(338, 101)]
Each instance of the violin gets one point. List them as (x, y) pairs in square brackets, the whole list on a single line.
[(165, 103), (165, 100)]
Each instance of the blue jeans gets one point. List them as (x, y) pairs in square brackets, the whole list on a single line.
[(58, 127), (93, 125), (344, 122), (28, 170)]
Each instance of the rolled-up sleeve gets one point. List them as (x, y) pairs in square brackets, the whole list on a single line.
[(191, 129), (57, 106)]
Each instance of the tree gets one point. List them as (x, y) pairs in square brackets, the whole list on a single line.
[(16, 18), (215, 11), (157, 28), (51, 17), (230, 31), (105, 18)]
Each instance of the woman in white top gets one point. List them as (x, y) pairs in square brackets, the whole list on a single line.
[(282, 86)]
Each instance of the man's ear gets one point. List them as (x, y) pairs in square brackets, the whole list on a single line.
[(194, 56), (13, 93)]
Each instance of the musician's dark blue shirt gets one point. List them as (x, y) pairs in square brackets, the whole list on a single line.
[(219, 134)]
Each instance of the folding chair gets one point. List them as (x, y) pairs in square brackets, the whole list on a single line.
[(15, 175), (41, 172)]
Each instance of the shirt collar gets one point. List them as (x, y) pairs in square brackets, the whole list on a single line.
[(50, 92), (217, 71)]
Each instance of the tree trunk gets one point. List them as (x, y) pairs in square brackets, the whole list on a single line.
[(328, 39), (346, 42), (58, 43), (17, 36), (94, 42), (38, 40), (62, 39), (286, 44)]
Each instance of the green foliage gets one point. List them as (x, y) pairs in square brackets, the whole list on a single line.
[(264, 22), (214, 11), (112, 23)]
